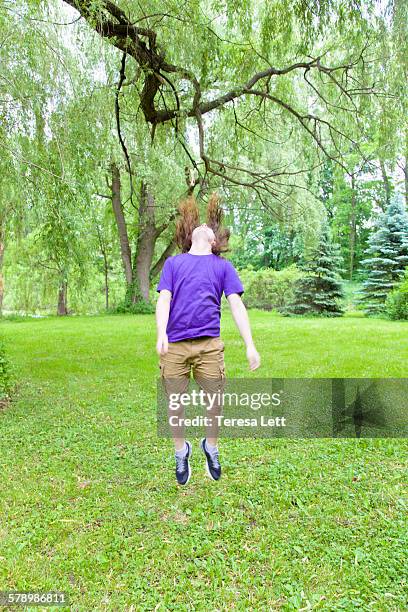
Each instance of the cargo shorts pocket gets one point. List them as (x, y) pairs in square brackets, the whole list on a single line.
[(161, 368), (222, 368), (221, 363), (221, 358)]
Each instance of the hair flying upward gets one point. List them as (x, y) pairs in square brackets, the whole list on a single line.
[(189, 219)]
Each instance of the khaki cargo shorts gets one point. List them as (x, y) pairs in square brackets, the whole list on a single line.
[(204, 358)]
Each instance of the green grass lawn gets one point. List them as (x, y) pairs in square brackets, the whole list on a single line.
[(89, 504)]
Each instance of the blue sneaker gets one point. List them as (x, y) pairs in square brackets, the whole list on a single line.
[(212, 465), (183, 467)]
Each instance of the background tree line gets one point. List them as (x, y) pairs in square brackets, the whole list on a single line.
[(110, 113)]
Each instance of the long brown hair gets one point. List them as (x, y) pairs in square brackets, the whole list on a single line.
[(215, 218), (189, 219)]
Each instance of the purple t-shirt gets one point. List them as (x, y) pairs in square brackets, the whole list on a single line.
[(197, 283)]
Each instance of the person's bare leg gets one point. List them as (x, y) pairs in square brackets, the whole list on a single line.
[(179, 443), (209, 444), (183, 449), (176, 413)]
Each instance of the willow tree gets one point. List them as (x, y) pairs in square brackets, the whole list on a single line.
[(278, 66), (269, 93), (24, 96), (249, 99), (60, 149)]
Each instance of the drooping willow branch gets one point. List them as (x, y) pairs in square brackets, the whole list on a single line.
[(140, 43), (122, 78)]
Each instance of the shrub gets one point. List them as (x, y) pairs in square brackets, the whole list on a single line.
[(140, 307), (269, 289), (6, 375), (396, 304), (128, 306)]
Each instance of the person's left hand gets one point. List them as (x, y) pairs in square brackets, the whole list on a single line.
[(254, 359)]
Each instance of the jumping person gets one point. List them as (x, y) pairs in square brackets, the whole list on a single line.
[(188, 318)]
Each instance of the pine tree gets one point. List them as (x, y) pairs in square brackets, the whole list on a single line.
[(388, 257), (320, 291)]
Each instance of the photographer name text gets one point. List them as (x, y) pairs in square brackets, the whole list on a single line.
[(220, 420)]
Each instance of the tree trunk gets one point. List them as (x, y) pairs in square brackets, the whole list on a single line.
[(62, 308), (352, 239), (146, 241), (102, 248), (106, 288), (138, 267), (121, 223), (387, 185), (169, 250)]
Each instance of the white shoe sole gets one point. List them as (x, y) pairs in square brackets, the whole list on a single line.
[(189, 473), (207, 469)]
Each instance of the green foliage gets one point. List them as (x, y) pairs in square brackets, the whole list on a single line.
[(349, 205), (282, 246), (396, 304), (351, 297), (269, 289), (260, 244), (388, 251), (134, 302), (320, 291), (6, 374), (141, 307), (58, 139)]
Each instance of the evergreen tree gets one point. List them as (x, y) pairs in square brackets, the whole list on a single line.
[(320, 292), (388, 256)]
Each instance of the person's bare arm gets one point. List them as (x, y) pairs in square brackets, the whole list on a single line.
[(162, 317), (240, 316)]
